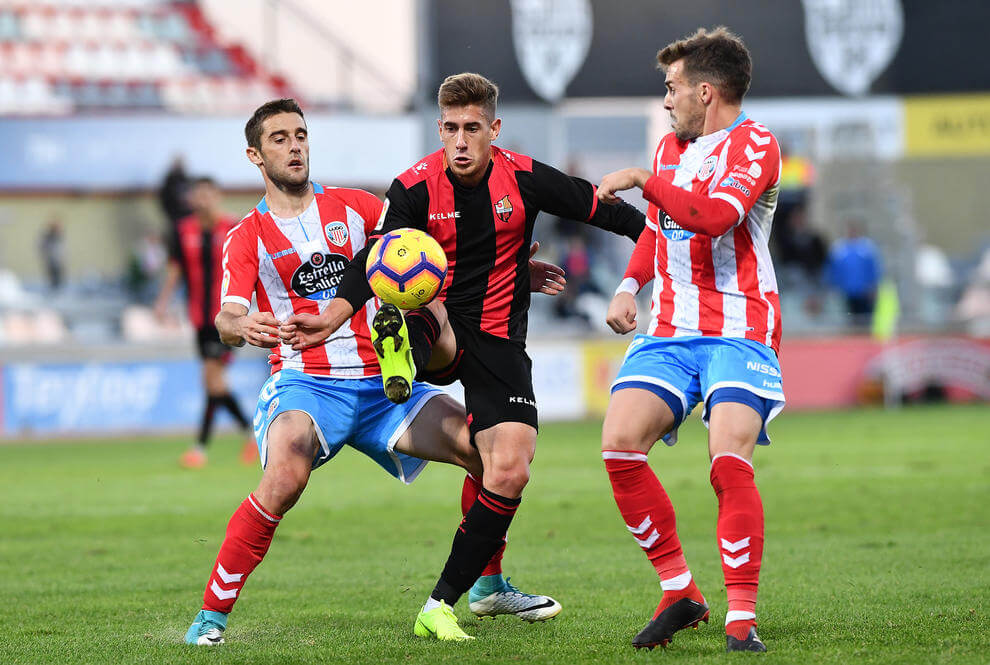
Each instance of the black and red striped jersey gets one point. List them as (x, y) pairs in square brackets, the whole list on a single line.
[(486, 231), (198, 251)]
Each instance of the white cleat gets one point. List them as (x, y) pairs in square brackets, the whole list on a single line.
[(510, 600), (211, 637)]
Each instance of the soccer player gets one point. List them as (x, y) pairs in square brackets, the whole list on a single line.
[(480, 203), (714, 328), (194, 254), (290, 252)]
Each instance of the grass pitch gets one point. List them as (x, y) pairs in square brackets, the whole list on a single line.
[(877, 551)]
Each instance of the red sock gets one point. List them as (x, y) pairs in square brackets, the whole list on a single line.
[(249, 533), (649, 515), (472, 486), (740, 539)]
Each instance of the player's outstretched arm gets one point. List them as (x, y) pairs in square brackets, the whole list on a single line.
[(305, 330), (621, 316), (236, 326), (618, 181), (544, 277)]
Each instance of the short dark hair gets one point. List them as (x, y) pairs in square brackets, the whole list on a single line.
[(467, 88), (204, 180), (252, 130), (717, 56)]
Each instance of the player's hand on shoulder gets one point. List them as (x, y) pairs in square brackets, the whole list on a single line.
[(621, 316), (618, 181), (260, 329), (545, 277)]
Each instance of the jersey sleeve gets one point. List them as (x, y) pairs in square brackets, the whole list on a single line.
[(240, 265), (642, 263), (575, 198), (752, 167), (405, 207)]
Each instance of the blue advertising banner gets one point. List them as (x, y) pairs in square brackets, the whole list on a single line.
[(104, 397)]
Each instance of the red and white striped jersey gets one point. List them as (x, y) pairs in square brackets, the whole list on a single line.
[(294, 265), (724, 285)]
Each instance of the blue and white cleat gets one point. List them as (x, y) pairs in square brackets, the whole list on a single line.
[(207, 628), (491, 595)]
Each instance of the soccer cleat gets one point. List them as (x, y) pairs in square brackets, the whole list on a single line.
[(685, 613), (207, 628), (491, 595), (390, 338), (194, 458), (440, 623), (751, 643)]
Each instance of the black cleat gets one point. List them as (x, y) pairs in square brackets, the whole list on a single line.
[(751, 643), (685, 613)]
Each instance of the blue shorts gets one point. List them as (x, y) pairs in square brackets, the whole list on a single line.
[(352, 412), (684, 371)]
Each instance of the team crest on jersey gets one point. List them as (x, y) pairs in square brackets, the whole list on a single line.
[(671, 229), (503, 209), (318, 278), (336, 233), (707, 167)]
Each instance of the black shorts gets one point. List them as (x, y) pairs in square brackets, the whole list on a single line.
[(209, 344), (497, 376)]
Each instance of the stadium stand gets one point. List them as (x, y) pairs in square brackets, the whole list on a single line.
[(63, 56)]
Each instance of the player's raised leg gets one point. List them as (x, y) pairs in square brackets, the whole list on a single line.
[(636, 418), (292, 445), (408, 344), (733, 431)]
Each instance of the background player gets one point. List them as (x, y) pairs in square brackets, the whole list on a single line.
[(290, 252), (714, 332), (480, 203), (195, 251)]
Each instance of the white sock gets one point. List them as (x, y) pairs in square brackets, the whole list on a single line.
[(431, 604)]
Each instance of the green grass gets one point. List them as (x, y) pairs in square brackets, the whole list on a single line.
[(877, 551)]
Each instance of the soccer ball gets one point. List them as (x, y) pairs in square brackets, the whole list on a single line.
[(406, 268)]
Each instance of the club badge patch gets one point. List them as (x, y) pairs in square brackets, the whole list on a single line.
[(707, 167), (503, 209), (337, 233)]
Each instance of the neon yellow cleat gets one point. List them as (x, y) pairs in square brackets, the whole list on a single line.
[(390, 338), (440, 623)]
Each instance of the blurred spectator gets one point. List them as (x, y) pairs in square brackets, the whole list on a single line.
[(974, 306), (577, 266), (174, 192), (804, 248), (854, 270), (801, 256), (146, 265), (52, 247), (796, 179)]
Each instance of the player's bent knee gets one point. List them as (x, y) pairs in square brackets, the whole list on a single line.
[(619, 438), (507, 481), (281, 487)]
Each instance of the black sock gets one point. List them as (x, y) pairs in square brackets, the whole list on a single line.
[(228, 402), (476, 540), (206, 426), (424, 330)]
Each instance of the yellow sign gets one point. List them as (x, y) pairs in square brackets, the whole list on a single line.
[(602, 361), (947, 125)]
